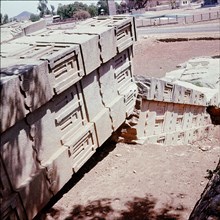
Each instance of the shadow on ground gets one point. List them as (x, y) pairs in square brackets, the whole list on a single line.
[(137, 209), (104, 209), (100, 154)]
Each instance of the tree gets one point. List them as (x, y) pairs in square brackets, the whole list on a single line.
[(43, 8), (68, 11), (93, 10), (140, 3), (12, 19), (5, 19), (1, 18), (81, 15), (34, 17), (102, 5), (52, 9)]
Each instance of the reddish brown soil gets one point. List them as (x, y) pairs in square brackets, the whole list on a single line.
[(155, 58), (143, 181)]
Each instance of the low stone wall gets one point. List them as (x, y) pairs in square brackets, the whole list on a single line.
[(18, 29), (168, 113)]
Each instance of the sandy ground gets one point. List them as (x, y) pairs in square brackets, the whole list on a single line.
[(141, 182), (154, 58)]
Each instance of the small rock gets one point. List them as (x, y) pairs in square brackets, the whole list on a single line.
[(134, 171), (205, 148), (202, 183), (118, 155), (180, 207), (212, 218)]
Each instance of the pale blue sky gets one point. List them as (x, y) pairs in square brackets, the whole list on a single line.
[(15, 7)]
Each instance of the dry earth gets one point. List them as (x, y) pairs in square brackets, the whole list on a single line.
[(137, 182), (154, 58), (142, 181)]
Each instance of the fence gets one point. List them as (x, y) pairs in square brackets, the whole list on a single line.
[(188, 19)]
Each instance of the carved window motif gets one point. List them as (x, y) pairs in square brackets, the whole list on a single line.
[(70, 112), (168, 92)]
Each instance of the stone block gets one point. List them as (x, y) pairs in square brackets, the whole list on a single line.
[(12, 208), (189, 136), (130, 96), (156, 90), (7, 189), (159, 125), (32, 77), (150, 139), (187, 117), (92, 95), (96, 21), (97, 112), (107, 40), (142, 120), (70, 114), (35, 193), (12, 101), (187, 96), (34, 26), (168, 91), (41, 32), (58, 169), (108, 84), (117, 112), (150, 119), (103, 132), (116, 76), (172, 138), (202, 99), (13, 50), (178, 94), (215, 100), (206, 119), (45, 135), (195, 135), (125, 32), (65, 62), (18, 155), (161, 139), (197, 112), (180, 137), (155, 118), (85, 42), (124, 29), (170, 118), (178, 115), (200, 119), (122, 64), (82, 146), (57, 122)]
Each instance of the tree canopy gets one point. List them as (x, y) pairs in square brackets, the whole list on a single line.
[(4, 18), (70, 10), (34, 17), (44, 8)]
